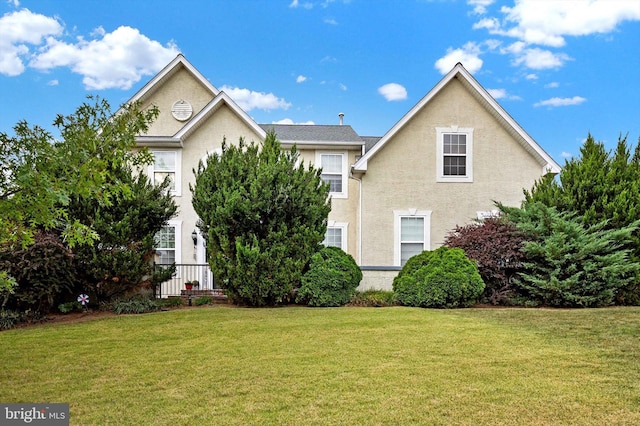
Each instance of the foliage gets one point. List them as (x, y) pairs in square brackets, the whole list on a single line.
[(134, 305), (569, 264), (331, 280), (202, 300), (495, 245), (443, 278), (170, 302), (44, 273), (122, 261), (599, 186), (41, 174), (373, 298), (263, 216), (69, 307)]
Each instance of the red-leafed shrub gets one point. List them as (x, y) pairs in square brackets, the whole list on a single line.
[(495, 245)]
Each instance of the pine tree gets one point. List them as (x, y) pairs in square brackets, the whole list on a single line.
[(263, 215)]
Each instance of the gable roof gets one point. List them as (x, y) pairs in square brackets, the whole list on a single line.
[(491, 105), (170, 69), (314, 135), (221, 99)]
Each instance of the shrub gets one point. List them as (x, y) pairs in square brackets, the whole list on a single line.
[(69, 307), (202, 300), (44, 273), (496, 246), (170, 302), (443, 278), (570, 264), (263, 214), (134, 306), (373, 298), (331, 280)]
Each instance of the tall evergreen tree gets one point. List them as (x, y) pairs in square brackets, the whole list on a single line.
[(598, 186), (263, 215)]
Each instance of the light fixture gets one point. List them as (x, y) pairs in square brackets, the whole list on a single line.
[(194, 237)]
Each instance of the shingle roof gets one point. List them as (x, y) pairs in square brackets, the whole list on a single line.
[(313, 133), (370, 141)]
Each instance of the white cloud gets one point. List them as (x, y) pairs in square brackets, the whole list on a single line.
[(480, 6), (301, 79), (342, 87), (539, 59), (295, 4), (53, 83), (565, 154), (502, 94), (290, 121), (531, 76), (557, 102), (548, 22), (117, 60), (552, 85), (248, 99), (393, 92), (468, 55), (330, 21), (17, 31)]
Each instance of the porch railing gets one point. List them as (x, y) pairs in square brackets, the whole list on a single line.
[(186, 273)]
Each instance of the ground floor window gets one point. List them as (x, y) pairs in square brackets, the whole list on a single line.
[(167, 244), (411, 234), (336, 235)]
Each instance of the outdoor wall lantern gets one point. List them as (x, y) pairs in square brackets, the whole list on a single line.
[(194, 237)]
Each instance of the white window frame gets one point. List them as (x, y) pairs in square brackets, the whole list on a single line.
[(397, 218), (177, 226), (344, 227), (345, 171), (468, 132), (177, 192)]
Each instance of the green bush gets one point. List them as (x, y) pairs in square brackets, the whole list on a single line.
[(69, 307), (170, 302), (44, 272), (443, 278), (135, 306), (331, 280), (373, 298), (202, 300)]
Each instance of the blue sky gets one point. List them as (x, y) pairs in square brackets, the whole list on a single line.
[(560, 68)]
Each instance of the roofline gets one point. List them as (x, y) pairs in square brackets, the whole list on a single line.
[(158, 142), (320, 144), (167, 71), (460, 70), (211, 107)]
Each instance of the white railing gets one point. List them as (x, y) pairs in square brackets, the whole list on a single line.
[(186, 273)]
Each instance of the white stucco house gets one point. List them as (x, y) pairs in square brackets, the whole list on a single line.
[(442, 164)]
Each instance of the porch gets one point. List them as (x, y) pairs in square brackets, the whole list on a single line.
[(189, 273)]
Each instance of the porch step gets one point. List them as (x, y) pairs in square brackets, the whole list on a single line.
[(217, 294)]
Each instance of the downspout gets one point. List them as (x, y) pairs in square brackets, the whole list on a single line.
[(359, 215)]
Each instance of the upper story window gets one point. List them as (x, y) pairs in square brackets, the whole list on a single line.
[(334, 172), (454, 159), (167, 165)]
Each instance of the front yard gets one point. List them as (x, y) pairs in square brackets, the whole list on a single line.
[(225, 365)]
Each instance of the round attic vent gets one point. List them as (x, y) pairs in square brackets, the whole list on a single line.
[(181, 110)]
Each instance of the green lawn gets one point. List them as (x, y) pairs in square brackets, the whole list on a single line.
[(224, 365)]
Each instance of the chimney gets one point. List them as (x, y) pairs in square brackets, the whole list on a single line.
[(341, 115)]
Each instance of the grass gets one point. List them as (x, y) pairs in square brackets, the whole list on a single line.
[(290, 366)]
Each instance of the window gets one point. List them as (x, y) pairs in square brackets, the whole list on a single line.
[(334, 172), (454, 160), (336, 235), (411, 233), (167, 244), (167, 165)]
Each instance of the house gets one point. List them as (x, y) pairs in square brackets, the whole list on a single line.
[(441, 165)]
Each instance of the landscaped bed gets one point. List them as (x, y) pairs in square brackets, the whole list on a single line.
[(226, 365)]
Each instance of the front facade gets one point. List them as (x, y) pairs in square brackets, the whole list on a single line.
[(443, 164)]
